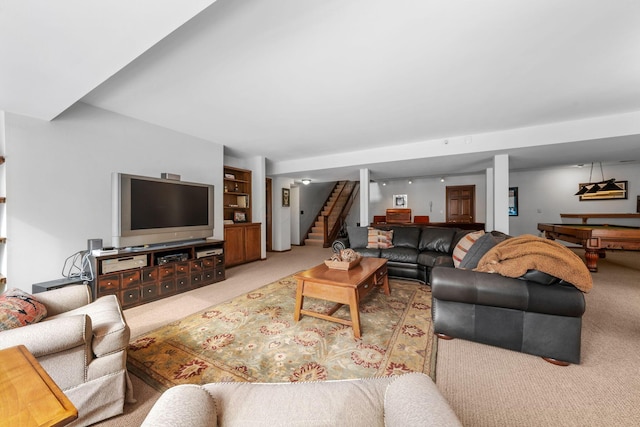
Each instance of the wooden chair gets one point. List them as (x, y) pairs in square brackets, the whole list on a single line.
[(421, 219)]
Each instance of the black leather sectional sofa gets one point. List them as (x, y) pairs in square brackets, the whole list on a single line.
[(536, 313), (416, 250)]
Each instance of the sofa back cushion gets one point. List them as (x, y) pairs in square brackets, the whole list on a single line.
[(357, 236), (406, 237), (436, 239)]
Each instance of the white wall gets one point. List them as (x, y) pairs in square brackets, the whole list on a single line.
[(425, 196), (544, 194), (59, 181), (281, 220)]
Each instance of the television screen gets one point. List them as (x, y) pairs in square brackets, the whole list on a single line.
[(150, 211), (163, 204)]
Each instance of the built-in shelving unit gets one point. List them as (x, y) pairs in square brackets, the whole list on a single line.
[(242, 236), (237, 195)]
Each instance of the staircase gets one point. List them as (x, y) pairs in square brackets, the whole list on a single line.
[(330, 218)]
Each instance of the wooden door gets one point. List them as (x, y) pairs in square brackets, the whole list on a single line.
[(461, 203)]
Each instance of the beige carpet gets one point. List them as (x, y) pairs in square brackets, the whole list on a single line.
[(486, 386)]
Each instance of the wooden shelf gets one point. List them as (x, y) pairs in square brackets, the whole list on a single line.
[(237, 193)]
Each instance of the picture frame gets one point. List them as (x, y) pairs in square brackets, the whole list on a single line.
[(239, 216), (623, 193), (286, 202), (400, 201), (513, 201)]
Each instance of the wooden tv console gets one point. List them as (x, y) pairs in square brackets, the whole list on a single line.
[(142, 275)]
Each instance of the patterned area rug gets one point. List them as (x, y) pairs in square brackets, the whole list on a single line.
[(254, 338)]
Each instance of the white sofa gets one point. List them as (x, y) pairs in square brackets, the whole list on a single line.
[(83, 347), (407, 400)]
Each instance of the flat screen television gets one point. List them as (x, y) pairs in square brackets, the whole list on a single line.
[(147, 211)]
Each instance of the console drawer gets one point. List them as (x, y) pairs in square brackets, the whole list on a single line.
[(130, 297), (182, 268), (149, 274), (167, 287), (131, 279), (149, 292), (108, 284)]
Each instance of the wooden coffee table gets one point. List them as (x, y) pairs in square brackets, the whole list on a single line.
[(28, 396), (341, 287)]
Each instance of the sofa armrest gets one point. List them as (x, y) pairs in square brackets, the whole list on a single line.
[(414, 400), (183, 405), (339, 244), (64, 299), (50, 337)]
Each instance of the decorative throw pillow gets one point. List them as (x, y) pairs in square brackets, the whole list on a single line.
[(478, 249), (18, 308), (464, 245), (379, 239), (385, 239), (372, 238)]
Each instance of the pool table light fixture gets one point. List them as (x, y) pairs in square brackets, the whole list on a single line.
[(598, 187)]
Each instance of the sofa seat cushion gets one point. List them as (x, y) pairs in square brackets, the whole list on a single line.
[(493, 290), (372, 253), (18, 308), (436, 239), (319, 403), (406, 237), (110, 332), (429, 258), (400, 254)]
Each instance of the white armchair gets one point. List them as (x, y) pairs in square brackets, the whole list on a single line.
[(83, 347)]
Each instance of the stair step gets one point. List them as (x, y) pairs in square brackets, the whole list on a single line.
[(313, 242), (317, 230), (316, 236)]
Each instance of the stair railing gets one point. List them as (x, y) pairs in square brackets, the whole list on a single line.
[(333, 220)]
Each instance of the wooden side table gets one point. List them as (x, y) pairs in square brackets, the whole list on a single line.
[(28, 395)]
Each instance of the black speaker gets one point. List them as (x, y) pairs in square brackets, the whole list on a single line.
[(94, 244)]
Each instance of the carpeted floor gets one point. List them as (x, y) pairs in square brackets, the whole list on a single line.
[(486, 386), (254, 338)]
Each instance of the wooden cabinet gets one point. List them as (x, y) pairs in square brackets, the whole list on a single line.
[(242, 237), (243, 243), (165, 271)]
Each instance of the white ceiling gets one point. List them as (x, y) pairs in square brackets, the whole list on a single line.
[(294, 80)]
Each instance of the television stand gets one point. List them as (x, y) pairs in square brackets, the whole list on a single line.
[(140, 275)]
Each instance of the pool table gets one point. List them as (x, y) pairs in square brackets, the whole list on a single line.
[(595, 238)]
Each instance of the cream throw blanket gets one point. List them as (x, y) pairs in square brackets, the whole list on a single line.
[(513, 257)]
